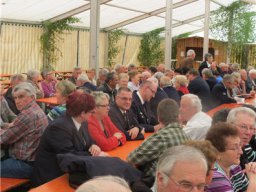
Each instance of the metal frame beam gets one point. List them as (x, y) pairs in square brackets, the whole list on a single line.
[(76, 11), (146, 15)]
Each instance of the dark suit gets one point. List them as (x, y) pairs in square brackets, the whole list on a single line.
[(172, 93), (200, 88), (143, 113), (211, 82), (118, 119), (202, 66), (159, 96), (60, 137), (111, 92), (10, 100), (220, 95)]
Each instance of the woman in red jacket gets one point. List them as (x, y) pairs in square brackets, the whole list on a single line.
[(102, 130)]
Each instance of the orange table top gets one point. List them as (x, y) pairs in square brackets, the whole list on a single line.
[(229, 105), (58, 184), (123, 151), (5, 75), (9, 183), (49, 100)]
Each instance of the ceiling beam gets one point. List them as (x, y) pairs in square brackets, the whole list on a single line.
[(146, 15), (76, 11), (188, 21), (218, 3)]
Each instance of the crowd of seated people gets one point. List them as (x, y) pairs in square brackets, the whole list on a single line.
[(93, 116)]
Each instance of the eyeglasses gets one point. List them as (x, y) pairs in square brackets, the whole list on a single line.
[(245, 128), (235, 148), (187, 186), (125, 98), (154, 92), (107, 105)]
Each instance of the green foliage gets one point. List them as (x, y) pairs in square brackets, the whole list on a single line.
[(235, 24), (150, 50), (113, 50), (50, 37)]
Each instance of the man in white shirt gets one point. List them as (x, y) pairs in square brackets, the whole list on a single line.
[(197, 122)]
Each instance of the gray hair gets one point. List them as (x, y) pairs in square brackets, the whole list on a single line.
[(153, 80), (117, 66), (32, 73), (17, 77), (90, 187), (26, 87), (190, 52), (207, 72), (158, 75), (65, 87), (179, 153), (195, 101), (228, 78), (165, 81), (83, 77), (252, 71), (232, 115), (99, 96)]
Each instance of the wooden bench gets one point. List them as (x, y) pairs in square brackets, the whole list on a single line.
[(11, 183)]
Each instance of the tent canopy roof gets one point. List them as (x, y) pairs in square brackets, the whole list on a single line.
[(135, 16)]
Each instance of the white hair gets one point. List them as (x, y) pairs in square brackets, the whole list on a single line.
[(83, 77), (195, 101), (26, 87), (232, 115), (179, 153), (252, 71)]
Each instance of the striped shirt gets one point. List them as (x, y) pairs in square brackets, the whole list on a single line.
[(237, 182), (56, 112)]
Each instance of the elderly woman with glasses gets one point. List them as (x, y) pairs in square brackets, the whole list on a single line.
[(106, 135), (228, 175)]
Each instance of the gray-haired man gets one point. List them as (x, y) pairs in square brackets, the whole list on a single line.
[(23, 134)]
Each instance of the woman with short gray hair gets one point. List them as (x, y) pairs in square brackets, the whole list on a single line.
[(33, 77), (101, 129)]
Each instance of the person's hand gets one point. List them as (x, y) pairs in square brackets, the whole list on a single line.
[(118, 135), (143, 131), (103, 154), (94, 150), (158, 126), (134, 132), (252, 93)]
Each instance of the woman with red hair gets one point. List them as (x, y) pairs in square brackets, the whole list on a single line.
[(67, 134)]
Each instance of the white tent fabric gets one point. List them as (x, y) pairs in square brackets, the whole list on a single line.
[(135, 16)]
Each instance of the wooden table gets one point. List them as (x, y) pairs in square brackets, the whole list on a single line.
[(5, 76), (59, 184), (49, 100), (123, 151), (230, 106), (10, 183)]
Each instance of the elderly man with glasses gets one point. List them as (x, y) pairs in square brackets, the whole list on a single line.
[(181, 168), (123, 117), (244, 119)]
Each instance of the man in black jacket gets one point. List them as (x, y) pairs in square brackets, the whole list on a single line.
[(123, 117), (208, 59), (109, 86)]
